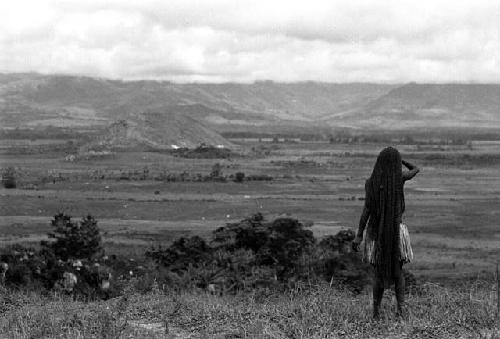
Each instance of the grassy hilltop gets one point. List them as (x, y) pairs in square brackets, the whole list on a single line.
[(468, 311)]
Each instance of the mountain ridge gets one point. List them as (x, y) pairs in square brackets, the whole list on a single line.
[(30, 100), (432, 105)]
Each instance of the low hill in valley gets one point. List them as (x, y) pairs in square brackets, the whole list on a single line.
[(156, 130)]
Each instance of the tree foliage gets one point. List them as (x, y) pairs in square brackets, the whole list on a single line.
[(9, 177), (182, 253), (250, 253), (74, 240), (239, 176)]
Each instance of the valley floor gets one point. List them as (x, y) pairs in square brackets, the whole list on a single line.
[(452, 205), (452, 213)]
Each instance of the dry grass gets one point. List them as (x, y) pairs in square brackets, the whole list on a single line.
[(315, 312)]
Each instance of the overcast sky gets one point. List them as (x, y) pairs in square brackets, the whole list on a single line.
[(243, 41)]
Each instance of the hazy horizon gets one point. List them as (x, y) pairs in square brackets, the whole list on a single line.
[(256, 81)]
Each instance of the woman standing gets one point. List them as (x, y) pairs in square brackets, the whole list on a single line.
[(386, 236)]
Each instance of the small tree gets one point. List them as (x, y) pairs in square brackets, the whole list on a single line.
[(75, 240), (216, 171), (239, 177), (9, 177)]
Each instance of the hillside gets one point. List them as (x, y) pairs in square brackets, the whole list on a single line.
[(429, 105), (35, 99), (156, 130), (30, 100)]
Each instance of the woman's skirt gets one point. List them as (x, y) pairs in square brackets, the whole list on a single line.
[(406, 252)]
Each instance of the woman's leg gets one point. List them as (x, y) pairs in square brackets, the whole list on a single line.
[(378, 293), (399, 288)]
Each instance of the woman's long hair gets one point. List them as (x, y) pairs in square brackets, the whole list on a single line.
[(385, 201)]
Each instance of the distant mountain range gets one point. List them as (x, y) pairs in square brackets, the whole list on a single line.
[(428, 106), (204, 110)]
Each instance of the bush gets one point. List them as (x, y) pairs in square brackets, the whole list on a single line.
[(339, 243), (259, 253), (346, 270), (182, 253), (19, 275), (277, 244), (75, 240), (259, 177), (42, 270), (9, 177), (204, 152), (336, 262), (27, 268), (77, 251), (287, 241), (239, 177)]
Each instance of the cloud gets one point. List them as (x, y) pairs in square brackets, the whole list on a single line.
[(227, 40)]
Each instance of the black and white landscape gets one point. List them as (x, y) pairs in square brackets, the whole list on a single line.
[(189, 169)]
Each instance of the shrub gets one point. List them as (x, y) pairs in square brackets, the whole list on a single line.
[(9, 177), (336, 262), (339, 243), (76, 250), (277, 244), (287, 241), (204, 152), (249, 233), (27, 268), (346, 270), (216, 171), (259, 177), (40, 270), (182, 253), (19, 275), (74, 240), (239, 177), (249, 253)]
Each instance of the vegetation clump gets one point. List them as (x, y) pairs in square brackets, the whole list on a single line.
[(253, 253), (204, 151), (259, 177), (74, 240), (72, 263), (183, 253), (216, 175), (239, 177), (256, 252), (278, 244), (9, 177)]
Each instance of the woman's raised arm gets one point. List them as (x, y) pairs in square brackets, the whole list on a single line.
[(413, 170)]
